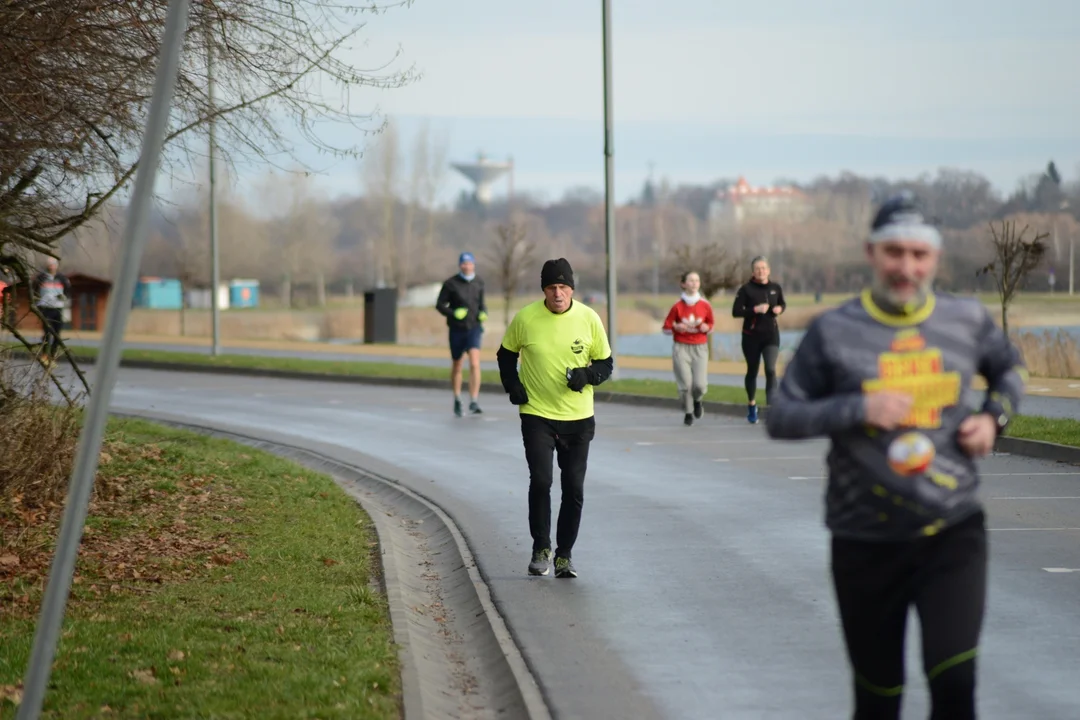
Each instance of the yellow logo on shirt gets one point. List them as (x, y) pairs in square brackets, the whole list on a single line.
[(912, 368)]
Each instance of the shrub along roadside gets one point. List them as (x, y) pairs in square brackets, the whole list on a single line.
[(213, 578)]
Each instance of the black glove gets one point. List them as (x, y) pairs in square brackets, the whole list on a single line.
[(577, 378), (518, 396)]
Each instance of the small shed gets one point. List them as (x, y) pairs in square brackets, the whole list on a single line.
[(159, 294), (244, 293), (86, 311)]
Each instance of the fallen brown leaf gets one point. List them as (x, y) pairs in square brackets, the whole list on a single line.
[(176, 655), (9, 560), (11, 693), (147, 677)]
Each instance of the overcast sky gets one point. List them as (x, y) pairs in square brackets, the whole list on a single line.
[(715, 88)]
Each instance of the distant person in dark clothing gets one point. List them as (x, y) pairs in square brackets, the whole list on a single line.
[(50, 290), (461, 301), (758, 302)]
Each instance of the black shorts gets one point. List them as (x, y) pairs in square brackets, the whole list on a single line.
[(462, 341)]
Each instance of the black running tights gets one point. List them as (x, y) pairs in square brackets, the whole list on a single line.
[(755, 350), (568, 441), (944, 577)]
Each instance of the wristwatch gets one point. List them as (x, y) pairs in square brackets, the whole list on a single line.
[(997, 411)]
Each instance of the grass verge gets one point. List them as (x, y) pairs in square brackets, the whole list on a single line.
[(1055, 430), (214, 580), (1062, 431), (363, 368)]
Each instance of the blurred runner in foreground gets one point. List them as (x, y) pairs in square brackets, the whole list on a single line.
[(883, 377)]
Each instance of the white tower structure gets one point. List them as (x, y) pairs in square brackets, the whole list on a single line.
[(483, 174)]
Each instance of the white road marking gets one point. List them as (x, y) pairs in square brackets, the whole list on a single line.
[(799, 477), (1032, 474), (1074, 385), (1038, 389), (772, 457), (1061, 570), (1065, 497), (701, 442), (1030, 529)]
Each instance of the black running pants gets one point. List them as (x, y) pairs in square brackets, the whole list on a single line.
[(755, 349), (944, 577), (569, 442), (50, 336)]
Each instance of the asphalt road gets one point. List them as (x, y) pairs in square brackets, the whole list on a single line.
[(703, 589), (1033, 404)]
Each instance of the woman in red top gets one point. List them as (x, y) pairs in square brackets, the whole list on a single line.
[(689, 322)]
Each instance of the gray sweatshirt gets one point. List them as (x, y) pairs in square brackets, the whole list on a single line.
[(914, 481)]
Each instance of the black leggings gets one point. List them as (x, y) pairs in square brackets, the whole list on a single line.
[(569, 442), (50, 336), (944, 577), (756, 349)]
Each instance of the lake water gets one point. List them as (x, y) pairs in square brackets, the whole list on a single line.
[(728, 346)]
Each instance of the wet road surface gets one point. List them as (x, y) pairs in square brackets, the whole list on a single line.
[(704, 590)]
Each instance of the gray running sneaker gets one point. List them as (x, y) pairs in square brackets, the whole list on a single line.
[(541, 562), (564, 568)]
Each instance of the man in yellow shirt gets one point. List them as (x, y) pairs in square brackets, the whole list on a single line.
[(564, 352)]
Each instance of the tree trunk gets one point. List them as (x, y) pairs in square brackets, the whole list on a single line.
[(1005, 319), (507, 299)]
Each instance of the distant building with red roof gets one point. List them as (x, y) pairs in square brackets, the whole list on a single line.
[(743, 202)]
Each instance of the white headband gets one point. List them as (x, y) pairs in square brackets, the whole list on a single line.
[(907, 231)]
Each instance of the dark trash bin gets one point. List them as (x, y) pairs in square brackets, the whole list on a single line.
[(380, 316)]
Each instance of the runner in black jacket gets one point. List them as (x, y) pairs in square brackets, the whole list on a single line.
[(758, 302), (461, 301)]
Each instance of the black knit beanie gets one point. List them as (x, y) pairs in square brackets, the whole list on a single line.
[(557, 272)]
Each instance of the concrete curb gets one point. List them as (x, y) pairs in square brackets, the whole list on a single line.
[(427, 685), (1037, 449)]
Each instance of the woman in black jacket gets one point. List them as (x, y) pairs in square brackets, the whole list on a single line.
[(758, 302)]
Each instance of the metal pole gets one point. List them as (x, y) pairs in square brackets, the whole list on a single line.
[(54, 602), (609, 193), (215, 269), (1071, 257)]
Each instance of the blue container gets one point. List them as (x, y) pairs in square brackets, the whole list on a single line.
[(158, 294), (244, 294)]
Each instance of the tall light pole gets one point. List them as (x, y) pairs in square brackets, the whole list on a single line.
[(215, 271), (609, 191)]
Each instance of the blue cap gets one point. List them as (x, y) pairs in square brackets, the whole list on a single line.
[(466, 257)]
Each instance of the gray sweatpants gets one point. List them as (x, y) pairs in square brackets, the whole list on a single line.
[(691, 364)]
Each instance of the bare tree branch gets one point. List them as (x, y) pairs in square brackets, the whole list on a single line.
[(1014, 258), (510, 256)]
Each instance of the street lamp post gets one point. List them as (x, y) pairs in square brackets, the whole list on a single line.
[(609, 189), (215, 270)]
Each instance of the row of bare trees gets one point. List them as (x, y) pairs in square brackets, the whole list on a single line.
[(75, 81)]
